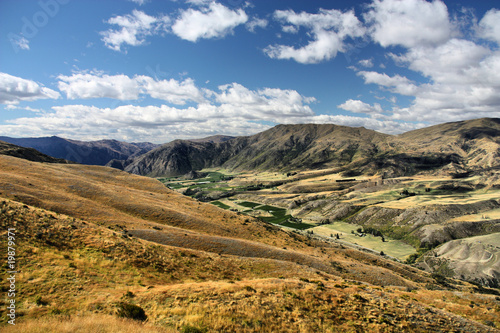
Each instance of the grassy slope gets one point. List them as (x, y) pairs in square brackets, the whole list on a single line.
[(81, 271), (126, 202), (73, 264)]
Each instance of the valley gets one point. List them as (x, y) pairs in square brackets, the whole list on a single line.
[(260, 242), (327, 204)]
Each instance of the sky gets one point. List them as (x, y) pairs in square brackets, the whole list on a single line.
[(159, 70)]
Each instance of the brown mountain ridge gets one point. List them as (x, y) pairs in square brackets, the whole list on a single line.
[(459, 146)]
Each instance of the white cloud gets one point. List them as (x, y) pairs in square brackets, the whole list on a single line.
[(122, 87), (463, 82), (328, 28), (171, 90), (366, 63), (14, 89), (162, 124), (291, 29), (266, 104), (397, 84), (213, 21), (133, 29), (199, 2), (358, 106), (17, 107), (445, 63), (489, 26), (87, 86), (19, 42), (457, 78), (256, 23), (409, 23), (139, 2), (234, 110)]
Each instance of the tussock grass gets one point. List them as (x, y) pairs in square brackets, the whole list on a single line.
[(78, 263), (96, 323), (238, 295)]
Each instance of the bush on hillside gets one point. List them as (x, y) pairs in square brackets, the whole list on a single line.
[(131, 311)]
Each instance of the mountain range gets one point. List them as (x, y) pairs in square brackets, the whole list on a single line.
[(460, 147), (457, 147), (84, 152)]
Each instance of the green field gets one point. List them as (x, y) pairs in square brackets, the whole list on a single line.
[(392, 247), (299, 226), (278, 216), (220, 204), (249, 204)]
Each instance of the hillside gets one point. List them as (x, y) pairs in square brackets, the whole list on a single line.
[(452, 148), (476, 259), (85, 152), (284, 147), (29, 154), (214, 139), (134, 205), (93, 241), (474, 143)]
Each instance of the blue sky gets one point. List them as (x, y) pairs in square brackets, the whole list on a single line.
[(157, 71)]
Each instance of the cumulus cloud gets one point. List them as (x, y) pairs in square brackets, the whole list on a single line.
[(123, 87), (14, 89), (408, 23), (256, 23), (328, 28), (358, 106), (212, 21), (173, 91), (133, 29), (265, 104), (366, 63), (489, 26), (162, 124), (460, 76), (87, 85), (463, 82), (233, 109), (397, 84), (444, 63)]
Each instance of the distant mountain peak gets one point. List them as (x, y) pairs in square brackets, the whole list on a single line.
[(29, 154), (85, 152)]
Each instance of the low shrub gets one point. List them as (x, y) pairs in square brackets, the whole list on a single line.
[(131, 311)]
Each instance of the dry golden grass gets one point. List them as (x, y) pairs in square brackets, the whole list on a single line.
[(77, 266), (123, 202), (108, 196), (291, 305), (96, 323), (77, 269)]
